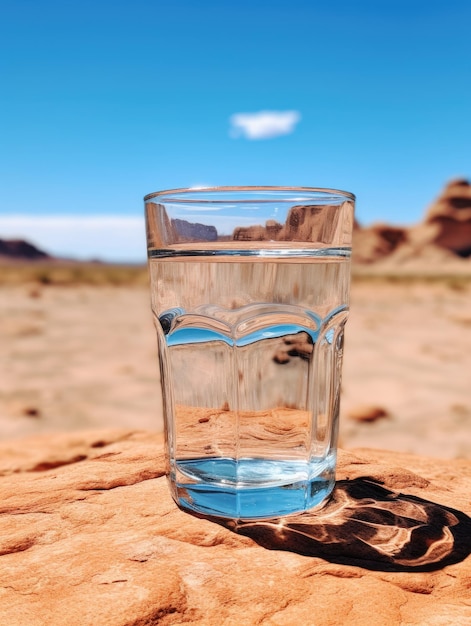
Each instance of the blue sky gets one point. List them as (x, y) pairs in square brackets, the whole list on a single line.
[(103, 101)]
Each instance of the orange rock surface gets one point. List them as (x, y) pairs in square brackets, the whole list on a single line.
[(90, 536)]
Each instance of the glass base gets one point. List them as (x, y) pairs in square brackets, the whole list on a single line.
[(252, 489)]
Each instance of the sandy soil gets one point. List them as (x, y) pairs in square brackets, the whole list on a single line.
[(81, 357), (408, 350)]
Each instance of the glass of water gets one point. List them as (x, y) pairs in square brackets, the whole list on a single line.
[(249, 292)]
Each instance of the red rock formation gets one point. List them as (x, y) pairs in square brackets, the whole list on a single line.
[(441, 239), (451, 216), (250, 233), (90, 536), (304, 223), (376, 242), (322, 224)]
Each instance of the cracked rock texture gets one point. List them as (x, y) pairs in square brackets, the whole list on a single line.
[(89, 536)]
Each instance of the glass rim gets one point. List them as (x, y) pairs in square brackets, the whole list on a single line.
[(183, 195)]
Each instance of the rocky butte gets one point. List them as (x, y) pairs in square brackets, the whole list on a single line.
[(444, 235)]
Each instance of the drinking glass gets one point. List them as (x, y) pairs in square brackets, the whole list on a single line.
[(249, 292)]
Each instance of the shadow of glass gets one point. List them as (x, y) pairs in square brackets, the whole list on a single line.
[(367, 525)]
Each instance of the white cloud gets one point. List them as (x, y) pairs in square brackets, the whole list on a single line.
[(104, 237), (264, 124)]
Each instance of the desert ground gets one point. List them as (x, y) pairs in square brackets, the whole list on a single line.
[(80, 353)]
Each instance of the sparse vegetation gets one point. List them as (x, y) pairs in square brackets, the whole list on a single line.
[(435, 276), (61, 273), (56, 273)]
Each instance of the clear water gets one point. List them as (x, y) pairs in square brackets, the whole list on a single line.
[(250, 358), (253, 488)]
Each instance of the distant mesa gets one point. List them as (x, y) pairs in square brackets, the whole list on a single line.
[(192, 231), (21, 250)]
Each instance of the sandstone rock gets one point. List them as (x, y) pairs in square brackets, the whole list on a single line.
[(453, 202), (90, 536), (451, 217), (315, 223), (376, 242), (251, 233), (298, 345), (367, 413), (443, 238)]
